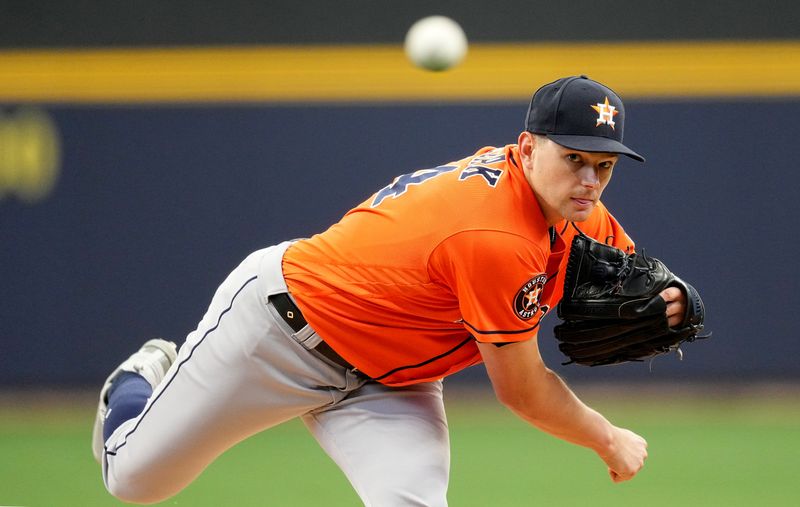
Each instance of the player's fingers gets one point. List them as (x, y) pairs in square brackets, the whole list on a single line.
[(676, 305), (675, 308), (672, 294), (675, 313), (616, 477)]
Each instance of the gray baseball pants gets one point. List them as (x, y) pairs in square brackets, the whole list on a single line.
[(244, 370)]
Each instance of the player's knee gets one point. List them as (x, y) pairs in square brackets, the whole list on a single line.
[(132, 493), (428, 490), (138, 488), (406, 498), (127, 494)]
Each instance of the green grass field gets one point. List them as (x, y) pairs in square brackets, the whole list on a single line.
[(705, 450)]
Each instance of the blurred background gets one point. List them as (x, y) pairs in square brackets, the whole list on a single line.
[(147, 147)]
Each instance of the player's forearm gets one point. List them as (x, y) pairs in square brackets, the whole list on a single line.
[(550, 405)]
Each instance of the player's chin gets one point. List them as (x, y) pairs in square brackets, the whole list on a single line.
[(579, 213)]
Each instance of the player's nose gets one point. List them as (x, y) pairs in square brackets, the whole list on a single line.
[(590, 176)]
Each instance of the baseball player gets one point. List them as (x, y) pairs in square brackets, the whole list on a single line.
[(353, 329)]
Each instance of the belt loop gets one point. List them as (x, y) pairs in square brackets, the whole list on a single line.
[(307, 337), (288, 311), (282, 306)]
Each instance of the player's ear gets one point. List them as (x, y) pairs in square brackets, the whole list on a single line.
[(526, 144)]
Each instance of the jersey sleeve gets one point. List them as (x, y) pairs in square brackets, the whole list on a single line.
[(498, 279)]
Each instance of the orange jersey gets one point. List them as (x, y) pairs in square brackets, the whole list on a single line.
[(406, 282)]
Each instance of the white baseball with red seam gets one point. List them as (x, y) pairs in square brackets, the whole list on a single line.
[(436, 43)]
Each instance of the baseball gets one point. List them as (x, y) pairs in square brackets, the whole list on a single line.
[(436, 43)]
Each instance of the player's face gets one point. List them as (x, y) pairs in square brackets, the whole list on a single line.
[(567, 183)]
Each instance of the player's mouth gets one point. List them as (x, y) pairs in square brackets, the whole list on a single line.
[(583, 203)]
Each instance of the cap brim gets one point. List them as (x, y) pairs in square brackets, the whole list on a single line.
[(594, 144)]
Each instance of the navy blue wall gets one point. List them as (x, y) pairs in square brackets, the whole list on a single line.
[(155, 205), (100, 23)]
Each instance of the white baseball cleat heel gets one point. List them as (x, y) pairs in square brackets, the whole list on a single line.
[(151, 361)]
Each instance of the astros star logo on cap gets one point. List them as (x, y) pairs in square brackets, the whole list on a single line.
[(606, 113)]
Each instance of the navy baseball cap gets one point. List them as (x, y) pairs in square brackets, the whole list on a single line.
[(580, 114)]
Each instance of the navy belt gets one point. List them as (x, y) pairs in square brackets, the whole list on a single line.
[(292, 315)]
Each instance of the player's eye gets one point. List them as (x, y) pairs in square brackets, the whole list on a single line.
[(606, 165), (574, 157)]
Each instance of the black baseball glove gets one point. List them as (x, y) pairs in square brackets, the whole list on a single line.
[(612, 310)]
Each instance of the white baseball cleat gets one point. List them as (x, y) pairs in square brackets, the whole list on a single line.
[(151, 362)]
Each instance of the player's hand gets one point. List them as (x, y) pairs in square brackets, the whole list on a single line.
[(676, 305), (626, 455)]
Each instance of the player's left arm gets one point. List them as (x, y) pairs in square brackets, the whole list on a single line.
[(491, 273)]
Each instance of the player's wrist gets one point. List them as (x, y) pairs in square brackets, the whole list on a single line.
[(606, 441)]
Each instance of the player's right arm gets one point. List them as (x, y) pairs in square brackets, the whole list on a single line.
[(524, 384)]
